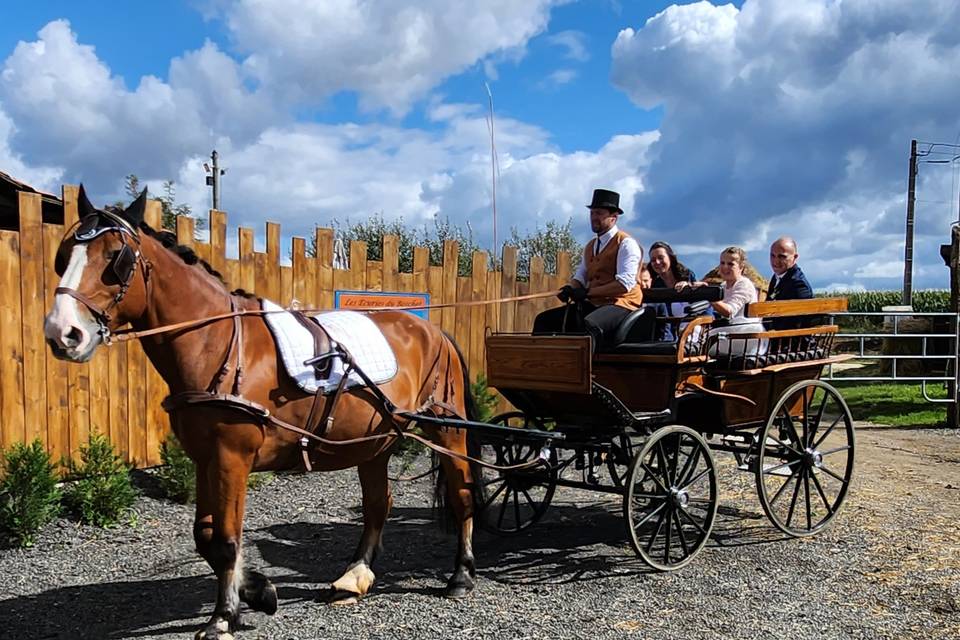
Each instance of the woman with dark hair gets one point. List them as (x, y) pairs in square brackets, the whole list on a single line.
[(666, 270)]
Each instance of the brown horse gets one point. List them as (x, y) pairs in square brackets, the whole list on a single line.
[(115, 270)]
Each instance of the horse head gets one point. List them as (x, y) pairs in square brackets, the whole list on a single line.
[(103, 279)]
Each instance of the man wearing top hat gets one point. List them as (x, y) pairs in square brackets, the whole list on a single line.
[(606, 283)]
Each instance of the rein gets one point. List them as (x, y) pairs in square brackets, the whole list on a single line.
[(129, 334)]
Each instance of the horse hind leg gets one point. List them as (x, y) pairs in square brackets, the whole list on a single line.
[(377, 501), (459, 491)]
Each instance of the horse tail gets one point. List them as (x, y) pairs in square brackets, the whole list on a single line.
[(473, 445)]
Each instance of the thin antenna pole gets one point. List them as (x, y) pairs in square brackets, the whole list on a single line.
[(493, 171)]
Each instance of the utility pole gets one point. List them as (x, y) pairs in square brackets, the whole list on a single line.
[(907, 298), (213, 177), (493, 173)]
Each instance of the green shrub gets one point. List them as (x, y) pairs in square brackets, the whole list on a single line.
[(178, 475), (485, 399), (259, 479), (29, 495), (926, 301), (101, 492)]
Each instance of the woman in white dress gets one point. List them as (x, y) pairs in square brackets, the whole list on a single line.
[(738, 292)]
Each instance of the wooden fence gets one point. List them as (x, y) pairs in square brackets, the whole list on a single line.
[(118, 392)]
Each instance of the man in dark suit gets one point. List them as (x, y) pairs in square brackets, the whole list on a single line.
[(788, 281)]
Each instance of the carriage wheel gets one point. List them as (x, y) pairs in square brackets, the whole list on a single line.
[(671, 498), (619, 459), (511, 501), (805, 465)]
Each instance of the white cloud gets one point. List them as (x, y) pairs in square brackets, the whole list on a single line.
[(42, 178), (70, 110), (391, 53), (574, 44), (558, 78), (794, 116)]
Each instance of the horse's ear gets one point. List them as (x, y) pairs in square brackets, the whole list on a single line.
[(135, 212), (84, 207)]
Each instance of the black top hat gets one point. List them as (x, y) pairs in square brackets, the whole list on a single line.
[(603, 199)]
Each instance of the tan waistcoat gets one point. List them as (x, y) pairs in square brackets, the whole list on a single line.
[(602, 269)]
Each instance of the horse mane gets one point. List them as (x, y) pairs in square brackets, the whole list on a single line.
[(169, 240)]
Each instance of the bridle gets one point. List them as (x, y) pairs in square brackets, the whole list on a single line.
[(123, 264)]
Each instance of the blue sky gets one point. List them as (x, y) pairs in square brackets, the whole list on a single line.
[(719, 123)]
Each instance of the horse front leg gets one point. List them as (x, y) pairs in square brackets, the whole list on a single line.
[(377, 500), (221, 492)]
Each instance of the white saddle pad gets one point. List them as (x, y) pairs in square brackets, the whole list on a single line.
[(354, 331)]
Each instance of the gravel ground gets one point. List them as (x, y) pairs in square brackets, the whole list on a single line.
[(887, 567)]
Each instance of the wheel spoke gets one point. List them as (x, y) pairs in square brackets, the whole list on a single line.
[(816, 423), (806, 495), (516, 507), (816, 445), (683, 540), (663, 463), (530, 501), (655, 478), (793, 501), (831, 473), (683, 512), (649, 515), (793, 429), (697, 478), (689, 466), (656, 534), (503, 509), (489, 501), (837, 450), (806, 416), (666, 546), (779, 492), (676, 459), (823, 495), (780, 466)]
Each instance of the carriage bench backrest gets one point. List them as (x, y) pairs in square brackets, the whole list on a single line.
[(786, 308)]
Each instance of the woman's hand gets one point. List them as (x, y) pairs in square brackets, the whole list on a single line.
[(680, 286)]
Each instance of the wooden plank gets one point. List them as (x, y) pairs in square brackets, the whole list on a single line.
[(136, 404), (421, 266), (564, 270), (185, 231), (451, 262), (153, 214), (324, 241), (273, 262), (260, 274), (781, 308), (157, 420), (524, 320), (248, 276), (299, 268), (358, 264), (391, 263), (11, 341), (462, 317), (508, 288), (405, 284), (374, 275), (99, 392), (435, 288), (232, 274), (312, 301), (69, 193), (537, 284), (34, 348), (493, 309), (119, 409), (218, 240), (286, 285), (478, 314), (58, 408)]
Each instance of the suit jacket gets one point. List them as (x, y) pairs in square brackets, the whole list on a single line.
[(793, 286)]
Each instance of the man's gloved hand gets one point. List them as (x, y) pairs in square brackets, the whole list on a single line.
[(579, 294), (566, 292)]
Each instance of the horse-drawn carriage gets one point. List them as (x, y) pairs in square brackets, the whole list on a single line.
[(642, 418)]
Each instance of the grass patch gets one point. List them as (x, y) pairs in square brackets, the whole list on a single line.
[(898, 405)]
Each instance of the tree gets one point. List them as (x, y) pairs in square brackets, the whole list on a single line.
[(168, 202), (543, 242)]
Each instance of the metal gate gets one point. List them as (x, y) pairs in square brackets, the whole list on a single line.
[(933, 351)]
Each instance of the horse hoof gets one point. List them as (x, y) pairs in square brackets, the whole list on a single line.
[(259, 593), (457, 592), (342, 598), (215, 631)]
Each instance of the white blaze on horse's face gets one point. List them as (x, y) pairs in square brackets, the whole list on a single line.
[(70, 330)]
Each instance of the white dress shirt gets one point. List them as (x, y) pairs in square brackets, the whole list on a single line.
[(629, 257)]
